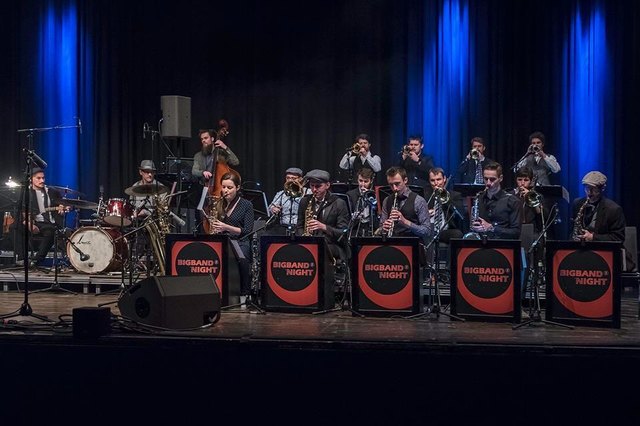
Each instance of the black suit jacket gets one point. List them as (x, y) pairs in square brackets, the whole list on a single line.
[(454, 220), (610, 221), (334, 214), (54, 200), (467, 170)]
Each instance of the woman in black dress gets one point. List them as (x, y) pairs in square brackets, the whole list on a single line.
[(234, 217)]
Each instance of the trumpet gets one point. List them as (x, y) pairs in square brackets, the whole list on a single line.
[(406, 150), (474, 154), (534, 148), (355, 149)]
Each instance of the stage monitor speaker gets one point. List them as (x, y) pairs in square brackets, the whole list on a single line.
[(172, 302), (176, 116)]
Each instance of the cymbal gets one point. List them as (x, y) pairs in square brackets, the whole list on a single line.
[(148, 189), (66, 190), (81, 204)]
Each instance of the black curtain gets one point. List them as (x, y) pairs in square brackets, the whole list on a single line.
[(297, 81)]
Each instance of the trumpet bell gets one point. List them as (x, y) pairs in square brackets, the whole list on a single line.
[(293, 189)]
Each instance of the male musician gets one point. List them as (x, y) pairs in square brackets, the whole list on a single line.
[(359, 156), (404, 213), (203, 161), (145, 203), (540, 162), (323, 213), (470, 170), (363, 202), (45, 217), (415, 163), (601, 218), (449, 217), (499, 212), (529, 214), (285, 203)]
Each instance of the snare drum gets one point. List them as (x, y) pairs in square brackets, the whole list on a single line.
[(118, 212), (97, 249)]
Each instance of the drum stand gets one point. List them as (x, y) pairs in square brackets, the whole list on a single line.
[(123, 287), (56, 265)]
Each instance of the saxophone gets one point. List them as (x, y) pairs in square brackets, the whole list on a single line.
[(215, 212), (158, 227), (578, 228), (394, 206), (308, 216)]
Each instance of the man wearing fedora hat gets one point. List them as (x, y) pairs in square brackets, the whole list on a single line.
[(45, 217), (284, 207), (323, 213)]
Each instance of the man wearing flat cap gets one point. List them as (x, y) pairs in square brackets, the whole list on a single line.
[(600, 219), (323, 213), (285, 204)]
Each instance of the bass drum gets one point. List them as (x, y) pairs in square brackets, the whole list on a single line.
[(97, 250)]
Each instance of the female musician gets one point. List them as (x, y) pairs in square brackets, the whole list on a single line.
[(233, 216)]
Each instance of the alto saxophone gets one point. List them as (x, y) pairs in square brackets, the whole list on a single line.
[(215, 212), (578, 228)]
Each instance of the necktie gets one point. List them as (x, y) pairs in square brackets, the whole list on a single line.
[(438, 219), (479, 178), (46, 215)]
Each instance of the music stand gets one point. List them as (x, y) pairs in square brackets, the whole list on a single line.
[(259, 201), (342, 187)]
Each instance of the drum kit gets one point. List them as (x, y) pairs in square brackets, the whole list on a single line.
[(104, 246)]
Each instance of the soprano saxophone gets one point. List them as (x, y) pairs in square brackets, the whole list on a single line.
[(394, 206)]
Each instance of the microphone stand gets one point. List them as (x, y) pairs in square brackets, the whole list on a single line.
[(56, 286), (25, 309), (535, 277)]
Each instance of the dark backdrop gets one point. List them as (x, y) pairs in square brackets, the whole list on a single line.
[(298, 80)]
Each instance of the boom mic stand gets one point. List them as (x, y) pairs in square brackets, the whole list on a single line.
[(249, 302), (25, 309), (536, 277)]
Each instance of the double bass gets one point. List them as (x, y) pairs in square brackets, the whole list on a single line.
[(214, 186)]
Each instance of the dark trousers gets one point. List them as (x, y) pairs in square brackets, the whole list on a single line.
[(46, 237)]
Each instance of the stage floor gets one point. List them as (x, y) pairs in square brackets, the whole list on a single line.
[(307, 369)]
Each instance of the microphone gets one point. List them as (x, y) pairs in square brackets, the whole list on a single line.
[(84, 257), (101, 191), (145, 130), (177, 219), (36, 158), (79, 124)]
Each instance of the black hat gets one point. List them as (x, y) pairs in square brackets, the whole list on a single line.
[(36, 170)]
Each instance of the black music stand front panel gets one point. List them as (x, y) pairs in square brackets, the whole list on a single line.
[(297, 274), (583, 283), (385, 276), (187, 254), (485, 280)]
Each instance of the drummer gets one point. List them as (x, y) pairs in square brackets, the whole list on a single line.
[(142, 199)]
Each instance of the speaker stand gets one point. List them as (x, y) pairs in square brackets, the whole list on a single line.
[(248, 303)]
